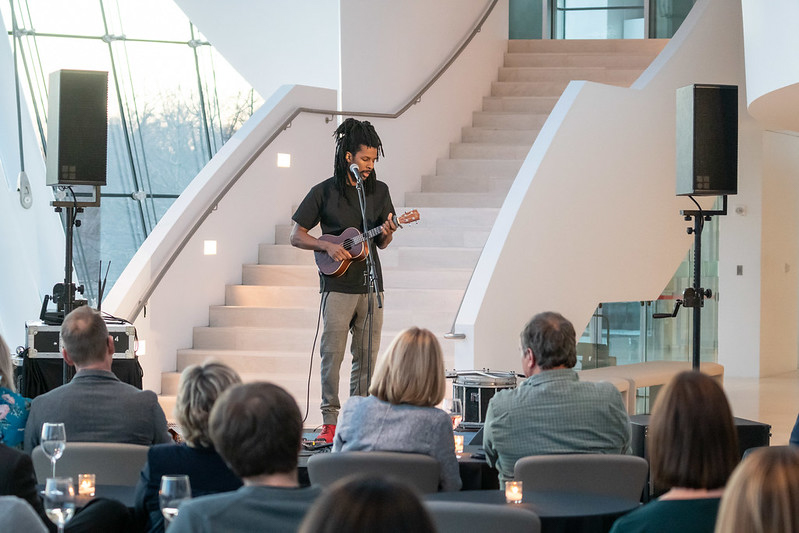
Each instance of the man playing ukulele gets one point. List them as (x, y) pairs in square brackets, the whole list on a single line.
[(334, 204)]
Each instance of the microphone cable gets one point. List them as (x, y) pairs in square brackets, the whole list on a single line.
[(322, 302)]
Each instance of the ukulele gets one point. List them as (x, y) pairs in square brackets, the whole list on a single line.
[(352, 240)]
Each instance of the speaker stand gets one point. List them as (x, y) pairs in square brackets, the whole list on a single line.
[(696, 297)]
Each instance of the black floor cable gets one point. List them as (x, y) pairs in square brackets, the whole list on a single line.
[(310, 364)]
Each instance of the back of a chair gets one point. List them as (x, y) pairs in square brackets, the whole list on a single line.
[(420, 471), (623, 476), (112, 463), (457, 517)]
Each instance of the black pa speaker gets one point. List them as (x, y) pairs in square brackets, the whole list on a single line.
[(77, 128), (707, 140)]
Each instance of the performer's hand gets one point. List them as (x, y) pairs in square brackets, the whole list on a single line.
[(336, 252), (389, 226)]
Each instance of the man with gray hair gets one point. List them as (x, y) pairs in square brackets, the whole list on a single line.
[(95, 406), (552, 411)]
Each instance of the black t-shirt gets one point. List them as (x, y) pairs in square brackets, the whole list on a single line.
[(325, 205)]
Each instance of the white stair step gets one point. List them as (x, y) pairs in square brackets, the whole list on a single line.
[(236, 342), (587, 45), (303, 317), (167, 403), (488, 151), (249, 360), (491, 135), (587, 59), (392, 278), (170, 382), (465, 184), (400, 257), (528, 88), (596, 74), (452, 217), (267, 296), (456, 198), (456, 217), (509, 120), (506, 168), (522, 104), (425, 233)]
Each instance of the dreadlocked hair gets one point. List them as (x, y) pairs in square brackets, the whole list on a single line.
[(349, 137)]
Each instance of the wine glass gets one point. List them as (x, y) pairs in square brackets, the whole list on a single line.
[(174, 489), (54, 440), (456, 412), (59, 500)]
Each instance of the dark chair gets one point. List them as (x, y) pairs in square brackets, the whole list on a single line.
[(613, 475), (112, 463), (420, 471)]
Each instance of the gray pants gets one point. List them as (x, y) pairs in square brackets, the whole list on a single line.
[(344, 313)]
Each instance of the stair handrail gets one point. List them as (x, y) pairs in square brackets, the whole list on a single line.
[(415, 99)]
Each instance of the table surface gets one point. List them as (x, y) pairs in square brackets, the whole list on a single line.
[(550, 504), (122, 493)]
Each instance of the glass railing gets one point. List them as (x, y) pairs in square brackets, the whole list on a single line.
[(597, 19), (622, 333)]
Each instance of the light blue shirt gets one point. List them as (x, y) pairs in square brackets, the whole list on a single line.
[(368, 423)]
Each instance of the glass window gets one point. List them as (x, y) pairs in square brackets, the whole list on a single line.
[(599, 19), (173, 102)]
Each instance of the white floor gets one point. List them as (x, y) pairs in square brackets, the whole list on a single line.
[(771, 400)]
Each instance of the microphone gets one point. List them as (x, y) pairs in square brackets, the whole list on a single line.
[(355, 172)]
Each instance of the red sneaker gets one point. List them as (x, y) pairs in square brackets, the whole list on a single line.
[(327, 433)]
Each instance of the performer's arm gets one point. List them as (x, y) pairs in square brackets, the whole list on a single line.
[(389, 227), (300, 239)]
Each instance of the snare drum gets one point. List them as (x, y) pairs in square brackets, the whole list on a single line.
[(475, 388)]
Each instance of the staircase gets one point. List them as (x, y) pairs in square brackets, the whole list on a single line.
[(267, 327)]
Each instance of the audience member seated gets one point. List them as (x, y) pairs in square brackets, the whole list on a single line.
[(257, 429), (763, 493), (95, 406), (693, 449), (200, 386), (400, 415), (17, 478), (367, 504), (552, 411), (13, 407), (794, 440)]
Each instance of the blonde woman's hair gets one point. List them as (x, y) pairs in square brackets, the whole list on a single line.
[(411, 370), (762, 494), (6, 368), (200, 386)]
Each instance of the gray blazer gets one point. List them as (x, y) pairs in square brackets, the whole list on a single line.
[(97, 407)]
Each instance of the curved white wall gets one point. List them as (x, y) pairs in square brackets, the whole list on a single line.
[(273, 43), (592, 216), (772, 64), (31, 240)]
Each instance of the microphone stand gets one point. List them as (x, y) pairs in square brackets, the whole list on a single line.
[(371, 275)]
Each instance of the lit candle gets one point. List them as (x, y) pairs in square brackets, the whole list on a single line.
[(513, 492), (86, 484), (458, 444)]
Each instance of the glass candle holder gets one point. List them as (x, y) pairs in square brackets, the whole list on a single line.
[(513, 492), (458, 444), (86, 484)]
